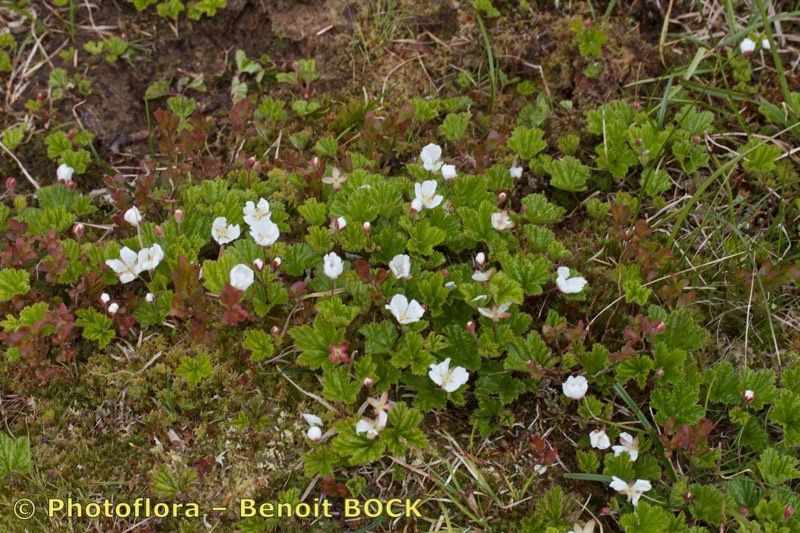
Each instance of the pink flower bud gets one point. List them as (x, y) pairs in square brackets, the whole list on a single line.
[(259, 264), (178, 214), (159, 231), (315, 162), (606, 511), (11, 183), (748, 395), (149, 297), (502, 197), (471, 326), (788, 512), (276, 263), (71, 185), (78, 230), (366, 227), (688, 496), (250, 162), (275, 331), (368, 382)]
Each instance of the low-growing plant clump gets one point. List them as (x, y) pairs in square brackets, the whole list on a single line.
[(533, 310)]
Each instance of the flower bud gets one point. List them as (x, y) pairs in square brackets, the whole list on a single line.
[(748, 395), (480, 259), (259, 264), (501, 197), (275, 331), (159, 231), (71, 185), (178, 214), (366, 227), (315, 162), (688, 496), (113, 308), (606, 511), (276, 263), (105, 298), (149, 297), (338, 224), (78, 230), (660, 373), (788, 512), (368, 382), (250, 162), (11, 183), (471, 326), (314, 434)]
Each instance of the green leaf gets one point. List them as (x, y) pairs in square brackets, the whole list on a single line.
[(195, 369), (647, 518), (15, 455), (313, 342), (259, 343), (320, 461), (655, 181), (338, 386), (526, 142), (567, 174), (454, 126), (777, 468), (403, 432), (706, 504), (96, 326), (635, 368), (679, 400), (538, 210), (13, 282), (356, 448)]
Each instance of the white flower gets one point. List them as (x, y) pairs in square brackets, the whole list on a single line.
[(599, 439), (336, 179), (501, 221), (224, 233), (404, 311), (133, 216), (105, 298), (515, 171), (265, 232), (149, 258), (254, 213), (449, 379), (425, 195), (575, 387), (314, 432), (482, 276), (569, 285), (627, 444), (431, 156), (242, 276), (113, 308), (372, 426), (127, 266), (333, 265), (765, 44), (586, 528), (149, 297), (495, 313), (400, 265), (64, 173), (449, 172), (312, 420), (480, 259), (633, 490), (747, 46), (539, 469), (340, 223)]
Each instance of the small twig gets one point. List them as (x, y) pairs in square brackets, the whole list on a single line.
[(20, 165)]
